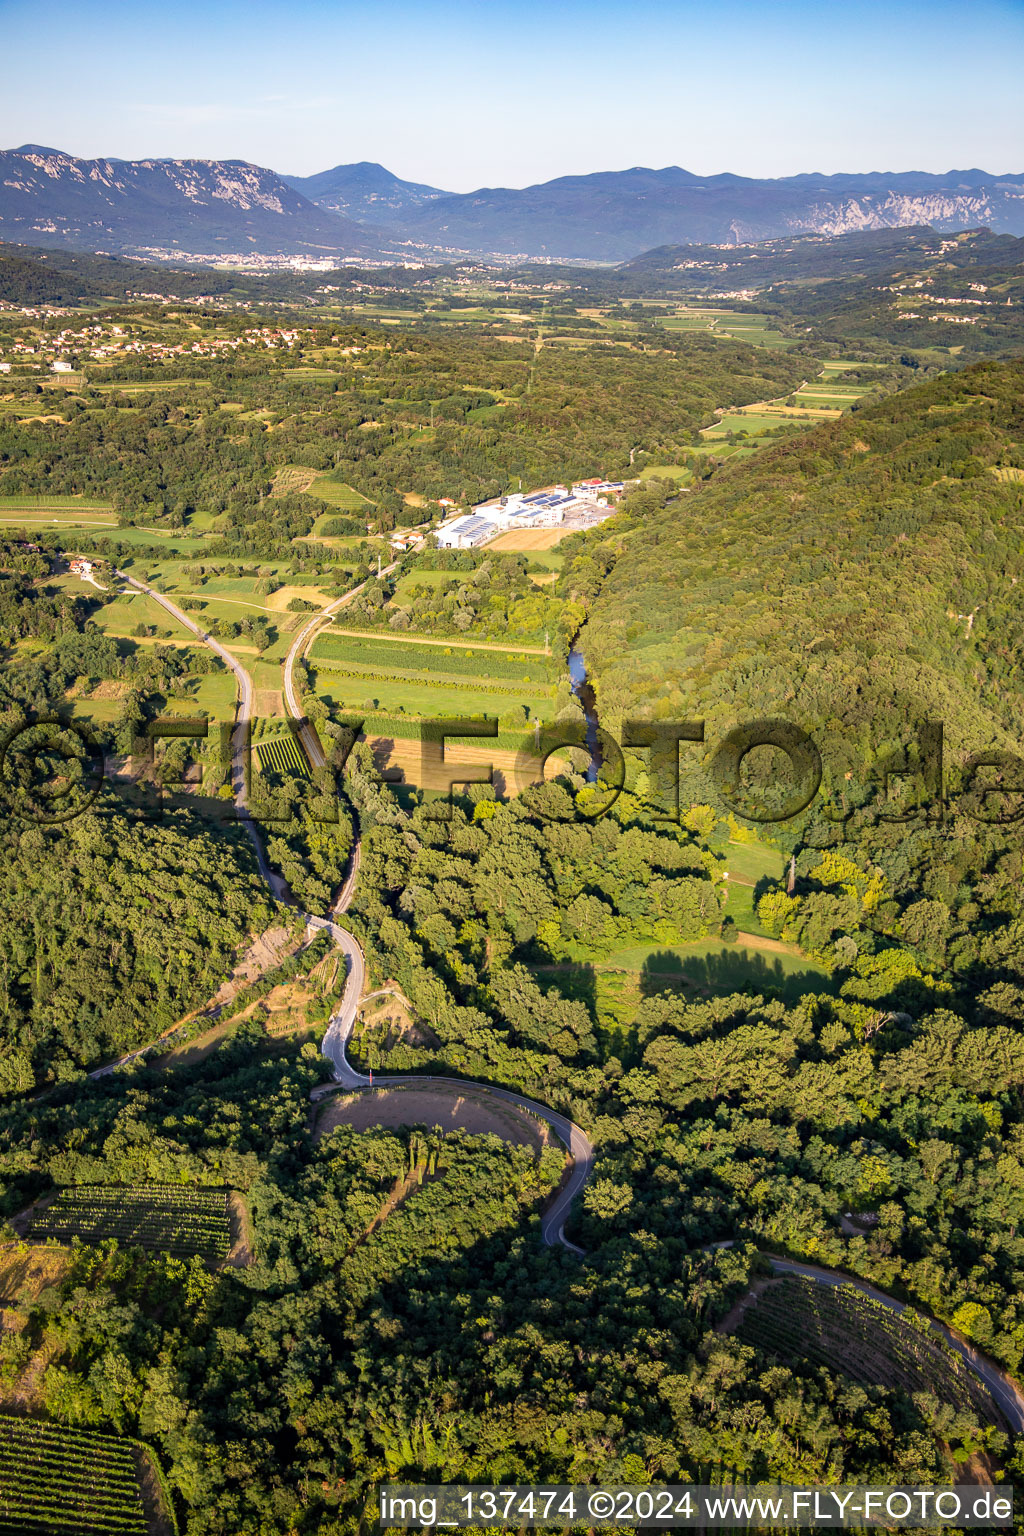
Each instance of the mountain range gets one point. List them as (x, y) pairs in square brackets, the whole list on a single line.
[(365, 191), (615, 215), (148, 207), (206, 208)]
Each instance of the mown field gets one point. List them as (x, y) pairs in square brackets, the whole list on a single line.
[(49, 513), (430, 680), (710, 966), (616, 986), (746, 864)]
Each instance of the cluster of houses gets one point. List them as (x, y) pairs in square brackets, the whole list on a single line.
[(578, 506), (96, 342)]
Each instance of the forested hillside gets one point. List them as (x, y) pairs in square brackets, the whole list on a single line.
[(832, 578), (843, 1083), (394, 415), (861, 583), (852, 553), (109, 932)]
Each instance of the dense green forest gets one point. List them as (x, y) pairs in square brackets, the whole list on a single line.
[(110, 931), (859, 583), (393, 415), (843, 1084)]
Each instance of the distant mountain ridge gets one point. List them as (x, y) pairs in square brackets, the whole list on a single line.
[(137, 207), (205, 208), (615, 215), (365, 191)]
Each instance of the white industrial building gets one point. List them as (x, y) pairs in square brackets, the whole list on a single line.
[(465, 532), (586, 503)]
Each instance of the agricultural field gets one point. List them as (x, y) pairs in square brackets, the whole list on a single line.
[(24, 513), (727, 324), (150, 385), (292, 479), (424, 698), (443, 659), (340, 496), (528, 539), (282, 755), (171, 543), (821, 398), (121, 617), (172, 1218), (430, 680), (841, 1328), (57, 1481)]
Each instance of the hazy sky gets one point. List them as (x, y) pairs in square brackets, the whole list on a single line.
[(508, 92)]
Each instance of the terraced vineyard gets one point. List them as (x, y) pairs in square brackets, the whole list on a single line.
[(173, 1218), (67, 1482), (282, 754), (841, 1328)]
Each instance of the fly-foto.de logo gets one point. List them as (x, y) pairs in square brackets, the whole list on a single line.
[(53, 770)]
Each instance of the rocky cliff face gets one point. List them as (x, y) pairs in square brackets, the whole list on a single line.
[(188, 206), (943, 210)]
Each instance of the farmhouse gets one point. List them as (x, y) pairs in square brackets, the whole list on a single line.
[(404, 541)]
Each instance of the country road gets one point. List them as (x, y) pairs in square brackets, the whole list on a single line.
[(340, 1025), (1000, 1384), (570, 1134), (310, 740), (239, 736)]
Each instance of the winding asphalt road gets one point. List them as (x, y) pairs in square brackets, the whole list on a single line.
[(299, 646), (570, 1134), (1004, 1390), (240, 734), (340, 1026)]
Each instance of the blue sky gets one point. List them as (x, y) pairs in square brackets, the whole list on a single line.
[(500, 93)]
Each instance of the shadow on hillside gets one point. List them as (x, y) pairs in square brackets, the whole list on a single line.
[(730, 969), (578, 983)]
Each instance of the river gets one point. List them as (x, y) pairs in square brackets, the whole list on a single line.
[(583, 688)]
